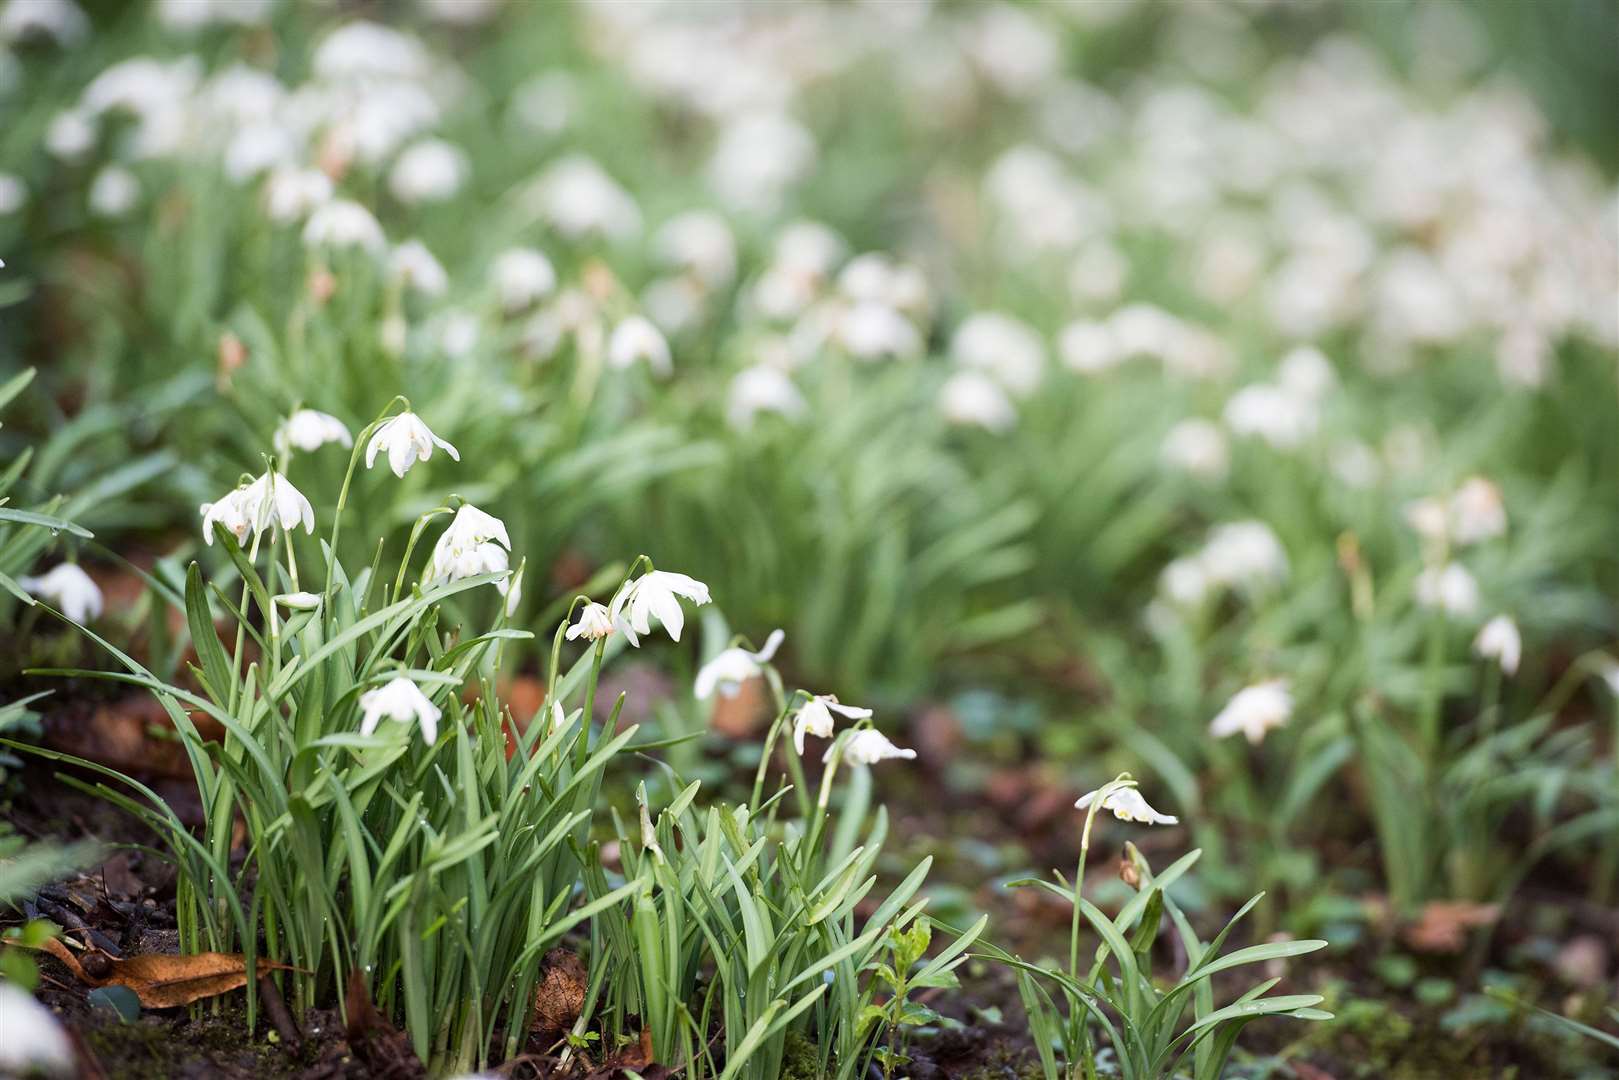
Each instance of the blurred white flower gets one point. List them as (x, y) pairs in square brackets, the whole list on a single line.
[(874, 331), (308, 430), (1523, 356), (1306, 373), (365, 50), (428, 171), (522, 276), (1355, 464), (458, 332), (1127, 804), (699, 242), (762, 388), (1198, 447), (814, 717), (71, 135), (655, 594), (399, 699), (758, 157), (406, 440), (1477, 511), (1254, 710), (973, 399), (461, 12), (59, 20), (1275, 414), (675, 303), (1500, 641), (266, 503), (1429, 518), (13, 194), (69, 588), (291, 194), (1089, 348), (547, 103), (184, 16), (580, 200), (474, 543), (35, 1041), (342, 223), (299, 601), (868, 747), (417, 267), (594, 623), (114, 192), (1007, 348), (1244, 554), (636, 340), (1184, 582), (1448, 588), (734, 666), (808, 248), (256, 149)]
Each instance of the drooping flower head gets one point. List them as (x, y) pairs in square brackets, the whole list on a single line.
[(814, 717), (869, 746), (267, 503), (655, 593), (734, 666), (309, 430), (1254, 710), (475, 543), (594, 623), (399, 699), (406, 440), (1127, 804), (1500, 641), (69, 588)]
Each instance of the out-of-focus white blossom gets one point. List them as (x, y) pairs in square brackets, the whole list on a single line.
[(699, 242), (1449, 588), (429, 171), (13, 194), (1500, 641), (35, 1041), (522, 277), (415, 266), (1089, 348), (636, 341), (762, 388), (871, 330), (1007, 348), (59, 20), (973, 399), (758, 157), (734, 666), (1254, 710), (1198, 447), (69, 588), (342, 223), (1273, 413), (114, 192), (1477, 511), (580, 200), (71, 135), (291, 194), (308, 430)]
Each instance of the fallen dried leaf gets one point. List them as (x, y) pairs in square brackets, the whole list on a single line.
[(162, 982), (560, 995)]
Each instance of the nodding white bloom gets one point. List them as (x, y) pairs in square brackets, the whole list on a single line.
[(35, 1041), (59, 20), (734, 666), (1477, 511), (367, 50), (872, 330), (762, 388), (1275, 414), (808, 248), (69, 588), (299, 601), (594, 623), (636, 340), (1500, 641), (13, 194), (343, 223), (1448, 588), (114, 192), (868, 747), (256, 149), (655, 593), (971, 398), (266, 503), (399, 699), (1007, 348), (309, 430), (475, 543), (699, 242), (1127, 804), (1089, 348), (1254, 710), (71, 134), (759, 155), (1244, 554), (414, 265), (579, 199), (522, 276), (1184, 582), (292, 194), (814, 717), (407, 440), (674, 304), (1198, 447), (1306, 373), (428, 171)]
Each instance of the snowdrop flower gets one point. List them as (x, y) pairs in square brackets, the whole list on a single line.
[(256, 149), (406, 440), (759, 155), (1477, 511), (734, 666), (366, 50), (594, 623), (1197, 447), (700, 242), (814, 717), (868, 747), (308, 430), (655, 593), (1272, 413), (59, 20), (399, 699), (1429, 518), (522, 276), (1184, 582), (266, 503), (71, 135), (1254, 710), (475, 543), (762, 388), (428, 171), (1127, 804), (291, 194), (1448, 588), (342, 223), (114, 192), (299, 601), (580, 199), (871, 330), (69, 588), (1089, 348), (35, 1041), (1006, 348), (1500, 641), (414, 265), (971, 398), (1244, 553), (1306, 373), (13, 194), (634, 340)]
